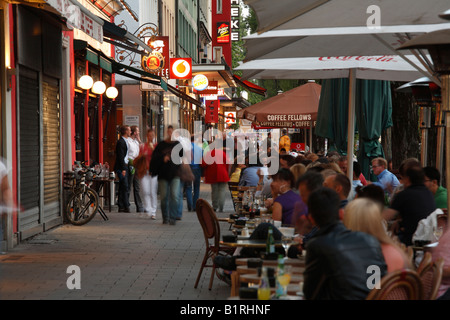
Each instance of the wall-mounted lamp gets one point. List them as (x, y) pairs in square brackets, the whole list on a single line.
[(112, 92), (85, 82), (99, 87)]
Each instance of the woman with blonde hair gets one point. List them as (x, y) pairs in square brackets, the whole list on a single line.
[(364, 215), (298, 169)]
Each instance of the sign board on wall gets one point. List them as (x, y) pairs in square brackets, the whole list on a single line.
[(223, 32), (131, 120)]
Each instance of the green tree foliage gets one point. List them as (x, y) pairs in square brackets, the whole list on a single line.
[(248, 25)]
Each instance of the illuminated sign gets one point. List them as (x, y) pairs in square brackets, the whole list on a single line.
[(212, 111), (230, 117), (223, 32), (153, 63), (235, 14), (180, 68), (200, 82)]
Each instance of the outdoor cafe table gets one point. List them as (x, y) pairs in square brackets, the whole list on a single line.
[(294, 262), (252, 243)]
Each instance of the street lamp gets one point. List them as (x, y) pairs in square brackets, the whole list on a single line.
[(112, 93), (438, 45)]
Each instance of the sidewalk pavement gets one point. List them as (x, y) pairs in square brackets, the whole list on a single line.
[(128, 257)]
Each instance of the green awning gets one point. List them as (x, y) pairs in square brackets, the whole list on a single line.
[(106, 64)]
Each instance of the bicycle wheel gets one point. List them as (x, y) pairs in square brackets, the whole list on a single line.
[(82, 207)]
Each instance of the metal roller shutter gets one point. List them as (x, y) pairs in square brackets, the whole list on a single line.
[(52, 157), (29, 153)]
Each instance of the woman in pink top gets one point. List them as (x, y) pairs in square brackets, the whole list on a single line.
[(442, 250), (363, 214), (149, 184)]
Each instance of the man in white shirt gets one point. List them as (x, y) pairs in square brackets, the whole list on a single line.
[(134, 142)]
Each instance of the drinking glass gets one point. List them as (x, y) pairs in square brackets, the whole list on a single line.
[(285, 278), (286, 242), (438, 232)]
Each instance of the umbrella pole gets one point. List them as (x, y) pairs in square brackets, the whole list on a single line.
[(351, 122), (445, 91)]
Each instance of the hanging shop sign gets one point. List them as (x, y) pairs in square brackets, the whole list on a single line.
[(230, 117), (180, 68), (223, 32), (211, 89), (157, 62), (200, 82), (212, 111), (153, 62)]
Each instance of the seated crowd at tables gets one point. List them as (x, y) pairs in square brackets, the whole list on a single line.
[(346, 226)]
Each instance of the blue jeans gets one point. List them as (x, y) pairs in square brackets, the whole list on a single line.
[(180, 201), (192, 198), (169, 193), (124, 194)]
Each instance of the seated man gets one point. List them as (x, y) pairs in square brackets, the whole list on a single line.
[(385, 179), (411, 205), (433, 183), (337, 259)]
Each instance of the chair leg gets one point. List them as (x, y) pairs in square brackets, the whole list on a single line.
[(205, 258), (212, 276), (234, 284)]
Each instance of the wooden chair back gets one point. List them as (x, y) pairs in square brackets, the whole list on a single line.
[(431, 276), (398, 285)]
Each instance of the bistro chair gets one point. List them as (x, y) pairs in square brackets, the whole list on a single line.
[(233, 187), (426, 262), (398, 285), (211, 231), (431, 275)]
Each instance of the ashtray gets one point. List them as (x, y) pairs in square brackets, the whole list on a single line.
[(229, 238), (254, 263)]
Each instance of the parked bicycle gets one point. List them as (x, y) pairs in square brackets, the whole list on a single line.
[(83, 204)]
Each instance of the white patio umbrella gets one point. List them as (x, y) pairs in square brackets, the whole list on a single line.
[(391, 68), (295, 14)]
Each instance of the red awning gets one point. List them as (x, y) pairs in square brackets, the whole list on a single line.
[(250, 86)]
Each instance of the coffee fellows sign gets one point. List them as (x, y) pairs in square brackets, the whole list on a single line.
[(283, 120)]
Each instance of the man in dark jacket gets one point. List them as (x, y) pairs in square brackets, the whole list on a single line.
[(121, 169), (337, 259), (162, 165)]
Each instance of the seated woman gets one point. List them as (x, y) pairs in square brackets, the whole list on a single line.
[(285, 199), (364, 215), (249, 175)]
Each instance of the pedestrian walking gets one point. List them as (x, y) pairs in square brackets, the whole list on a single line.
[(149, 183), (216, 174), (193, 188), (161, 165)]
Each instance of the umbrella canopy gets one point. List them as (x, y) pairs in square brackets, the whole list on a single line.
[(386, 67), (294, 14), (373, 115), (296, 108)]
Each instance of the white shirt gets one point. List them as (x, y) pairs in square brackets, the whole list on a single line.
[(133, 148)]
